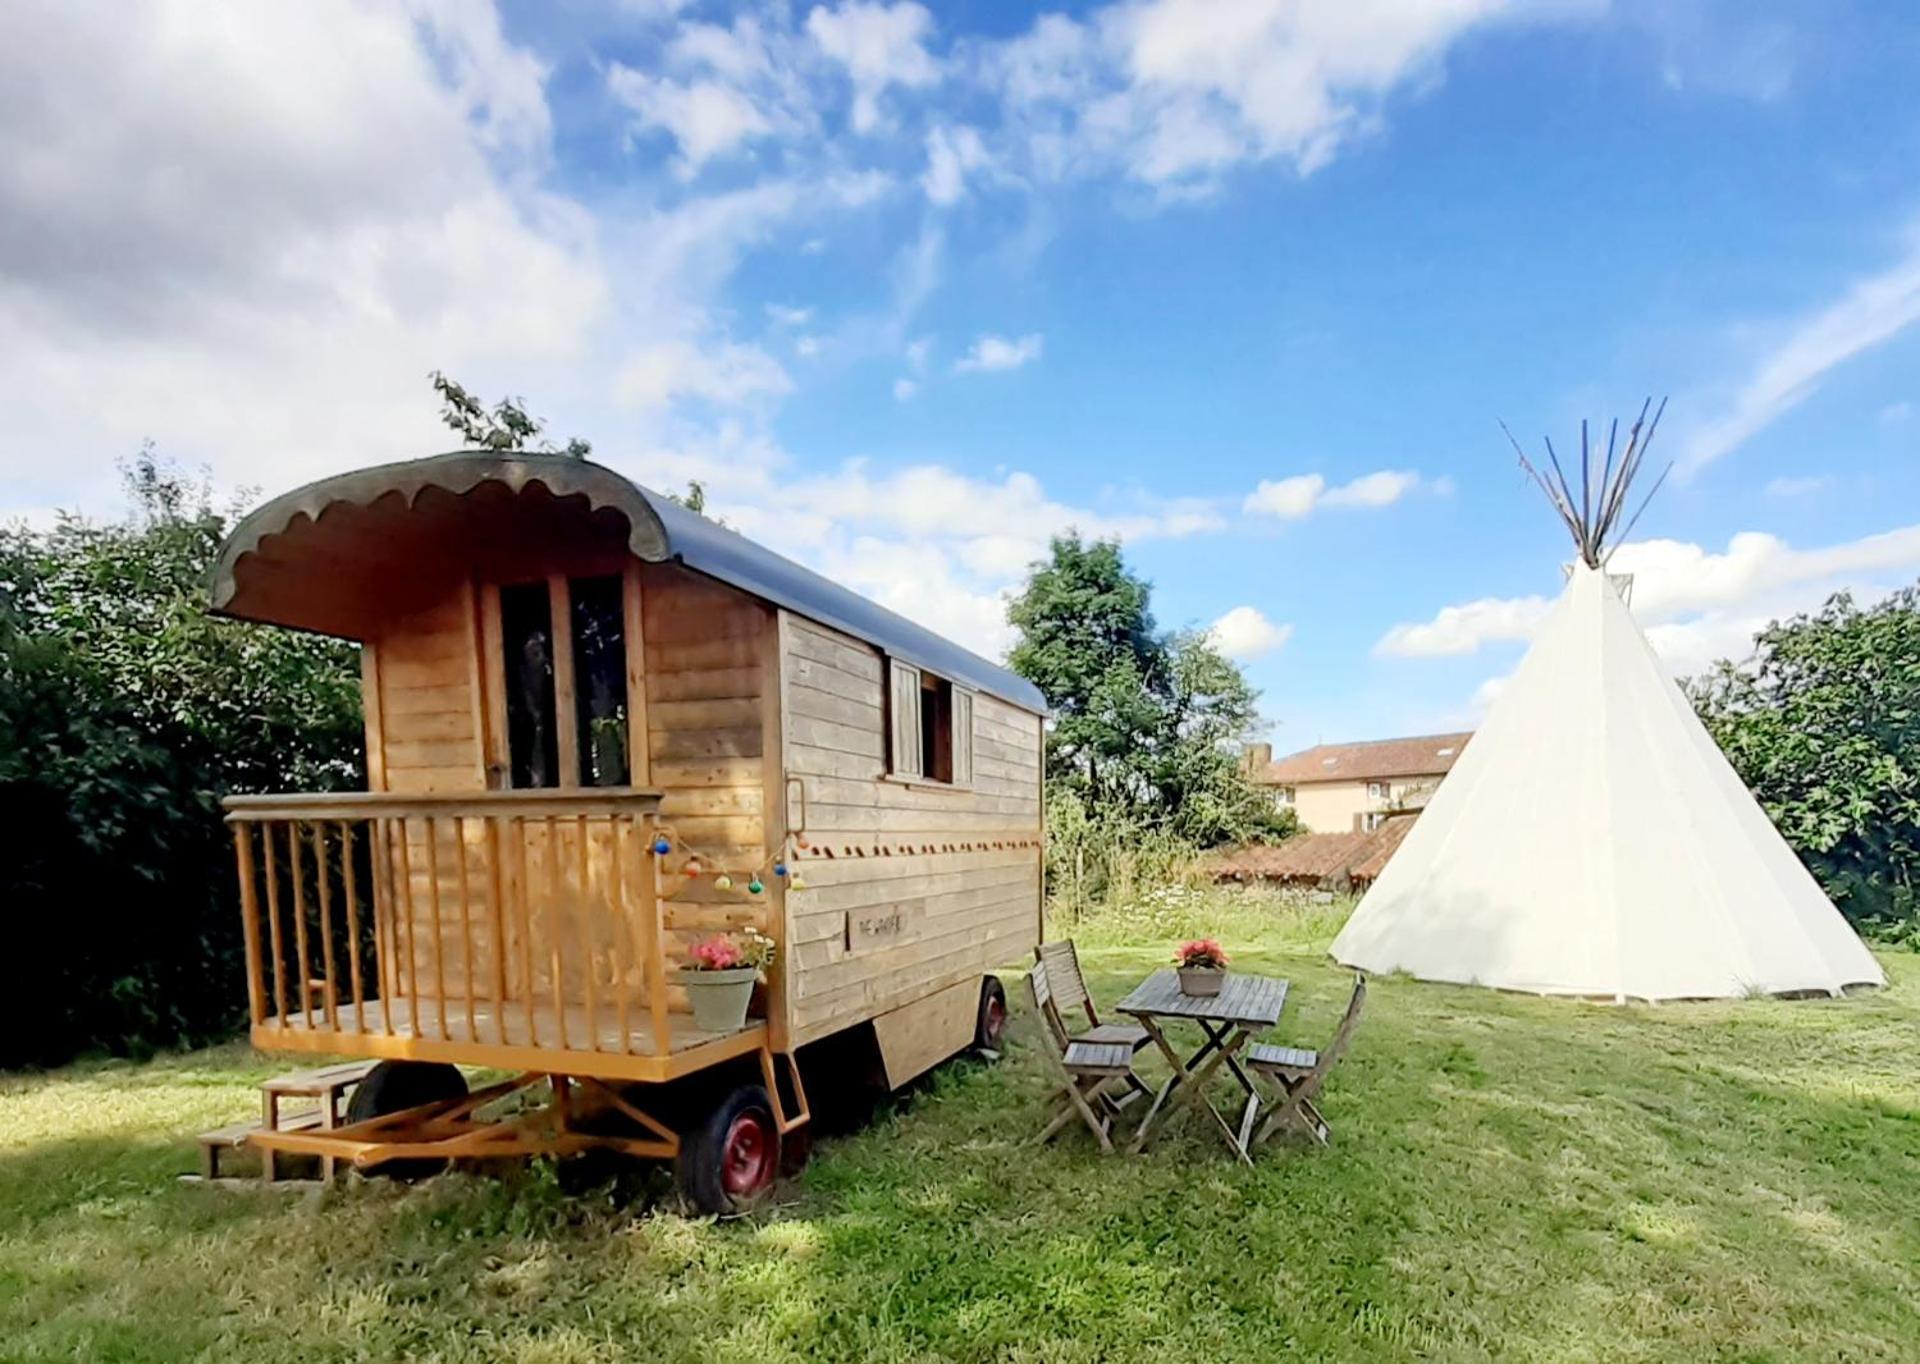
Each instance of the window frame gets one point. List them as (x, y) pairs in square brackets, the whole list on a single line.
[(906, 759), (493, 681)]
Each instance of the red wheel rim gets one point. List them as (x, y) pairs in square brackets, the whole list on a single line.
[(996, 1019), (747, 1155)]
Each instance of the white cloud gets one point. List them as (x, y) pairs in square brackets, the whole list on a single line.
[(1695, 604), (1791, 486), (1380, 489), (996, 353), (904, 389), (1895, 413), (1244, 633), (787, 316), (1290, 499), (1287, 498), (234, 236), (879, 46), (717, 90), (952, 153), (935, 544), (1487, 693), (707, 118), (1463, 629), (666, 371), (1871, 311), (1175, 91)]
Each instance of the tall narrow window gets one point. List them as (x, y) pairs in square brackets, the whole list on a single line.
[(936, 727), (526, 629), (600, 680)]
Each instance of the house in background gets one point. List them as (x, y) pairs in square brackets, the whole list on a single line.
[(1355, 788)]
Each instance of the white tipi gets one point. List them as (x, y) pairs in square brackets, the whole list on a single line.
[(1592, 839)]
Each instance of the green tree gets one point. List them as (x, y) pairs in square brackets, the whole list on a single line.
[(1823, 723), (126, 712), (504, 426), (1146, 725)]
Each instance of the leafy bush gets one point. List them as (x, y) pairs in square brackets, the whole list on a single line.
[(126, 713), (1823, 722)]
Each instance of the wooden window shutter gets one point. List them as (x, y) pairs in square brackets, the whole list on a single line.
[(905, 753), (962, 737)]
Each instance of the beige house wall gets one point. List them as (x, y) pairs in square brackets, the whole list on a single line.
[(1334, 807)]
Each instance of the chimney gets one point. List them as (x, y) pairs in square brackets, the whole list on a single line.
[(1257, 759)]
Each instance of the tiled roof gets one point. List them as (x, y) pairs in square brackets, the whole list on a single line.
[(1381, 846), (1425, 755), (1310, 859), (1304, 857)]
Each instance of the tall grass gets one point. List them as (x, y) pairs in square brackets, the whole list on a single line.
[(1112, 882), (1098, 860), (1236, 916)]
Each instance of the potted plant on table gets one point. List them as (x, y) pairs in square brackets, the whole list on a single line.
[(1203, 966), (720, 977)]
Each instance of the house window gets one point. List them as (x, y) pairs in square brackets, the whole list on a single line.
[(931, 730), (592, 656), (1377, 790), (1283, 797), (1371, 821), (526, 630), (600, 679)]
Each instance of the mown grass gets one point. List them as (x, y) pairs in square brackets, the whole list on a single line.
[(1511, 1178)]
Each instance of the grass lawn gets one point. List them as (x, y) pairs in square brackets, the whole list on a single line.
[(1510, 1178)]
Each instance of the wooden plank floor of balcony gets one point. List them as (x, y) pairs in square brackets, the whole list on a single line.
[(371, 1018)]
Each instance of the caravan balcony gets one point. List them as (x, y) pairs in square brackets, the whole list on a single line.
[(516, 929)]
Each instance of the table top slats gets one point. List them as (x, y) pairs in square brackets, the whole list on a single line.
[(1248, 1000)]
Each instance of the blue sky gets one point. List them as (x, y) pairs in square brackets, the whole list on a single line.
[(911, 288)]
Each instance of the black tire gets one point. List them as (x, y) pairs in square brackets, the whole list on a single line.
[(990, 1027), (395, 1086), (730, 1157)]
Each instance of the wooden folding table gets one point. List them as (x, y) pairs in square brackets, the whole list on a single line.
[(1245, 1006)]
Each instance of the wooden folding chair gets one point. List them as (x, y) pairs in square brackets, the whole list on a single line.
[(1070, 990), (1087, 1070), (1301, 1074)]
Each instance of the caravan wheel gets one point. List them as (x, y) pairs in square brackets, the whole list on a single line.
[(990, 1030), (728, 1159), (394, 1087)]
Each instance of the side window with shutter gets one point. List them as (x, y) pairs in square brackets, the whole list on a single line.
[(962, 737), (904, 753)]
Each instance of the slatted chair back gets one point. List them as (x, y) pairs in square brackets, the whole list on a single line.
[(1301, 1091), (1069, 986), (1343, 1035), (1039, 980)]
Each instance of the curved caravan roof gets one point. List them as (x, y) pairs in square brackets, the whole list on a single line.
[(355, 533)]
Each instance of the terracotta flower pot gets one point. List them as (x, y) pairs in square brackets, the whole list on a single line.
[(1201, 981), (720, 998)]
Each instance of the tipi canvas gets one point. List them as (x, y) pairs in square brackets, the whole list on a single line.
[(1593, 840)]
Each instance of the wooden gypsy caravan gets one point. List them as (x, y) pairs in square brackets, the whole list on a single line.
[(599, 729)]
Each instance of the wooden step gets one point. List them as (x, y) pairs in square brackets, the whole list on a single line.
[(319, 1082), (235, 1134)]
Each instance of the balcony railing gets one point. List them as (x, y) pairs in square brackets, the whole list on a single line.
[(485, 927)]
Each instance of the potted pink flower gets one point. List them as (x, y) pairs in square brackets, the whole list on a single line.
[(1203, 966), (720, 975)]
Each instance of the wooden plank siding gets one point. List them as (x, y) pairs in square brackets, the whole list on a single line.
[(908, 887), (706, 745), (748, 720), (439, 713)]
